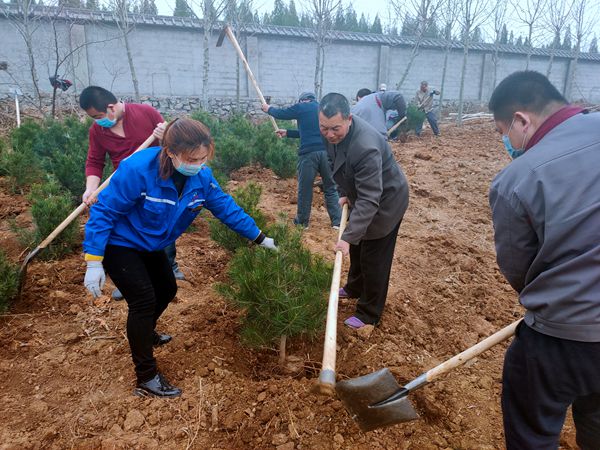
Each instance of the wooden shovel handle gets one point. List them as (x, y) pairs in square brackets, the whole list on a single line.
[(472, 352), (240, 53), (65, 223), (396, 125), (327, 376)]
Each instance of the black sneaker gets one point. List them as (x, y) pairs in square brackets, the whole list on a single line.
[(161, 339), (157, 387)]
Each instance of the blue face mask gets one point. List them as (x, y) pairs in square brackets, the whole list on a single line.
[(105, 122), (189, 170), (512, 152)]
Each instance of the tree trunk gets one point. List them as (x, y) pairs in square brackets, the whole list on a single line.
[(32, 69), (205, 66), (530, 48), (282, 342), (413, 55), (444, 70), (550, 61), (318, 69), (462, 80), (132, 68), (322, 72)]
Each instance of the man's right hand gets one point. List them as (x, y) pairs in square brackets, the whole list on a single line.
[(281, 133), (87, 197), (344, 200), (265, 107)]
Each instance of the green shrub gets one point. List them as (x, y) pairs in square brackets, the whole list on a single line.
[(282, 293), (213, 124), (240, 127), (23, 138), (9, 281), (50, 205), (248, 198), (264, 140), (282, 160), (414, 116), (21, 166), (231, 154), (63, 147)]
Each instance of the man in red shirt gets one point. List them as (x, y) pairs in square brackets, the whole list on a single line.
[(118, 130)]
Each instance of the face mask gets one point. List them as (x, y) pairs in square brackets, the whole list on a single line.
[(105, 122), (189, 170), (512, 152)]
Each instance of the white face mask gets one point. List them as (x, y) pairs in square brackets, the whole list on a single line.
[(514, 153), (189, 170)]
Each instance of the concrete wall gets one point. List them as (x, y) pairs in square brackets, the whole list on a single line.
[(169, 62)]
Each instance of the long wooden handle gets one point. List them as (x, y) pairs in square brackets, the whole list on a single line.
[(329, 349), (396, 125), (65, 223), (248, 70), (472, 352)]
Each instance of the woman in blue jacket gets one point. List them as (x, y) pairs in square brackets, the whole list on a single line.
[(151, 200)]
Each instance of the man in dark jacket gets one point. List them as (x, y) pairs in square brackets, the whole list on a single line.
[(312, 159), (546, 213), (370, 180)]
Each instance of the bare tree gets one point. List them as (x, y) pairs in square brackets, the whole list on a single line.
[(22, 15), (211, 11), (323, 13), (120, 11), (449, 15), (556, 17), (499, 16), (583, 21), (424, 13), (528, 13), (473, 13)]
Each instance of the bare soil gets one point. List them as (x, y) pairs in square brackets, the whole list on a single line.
[(67, 377)]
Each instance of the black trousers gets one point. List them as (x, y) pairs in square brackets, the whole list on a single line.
[(148, 285), (369, 275), (543, 376)]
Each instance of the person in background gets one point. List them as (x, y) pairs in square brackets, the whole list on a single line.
[(151, 200), (118, 130), (373, 185), (424, 101), (546, 213), (373, 107), (312, 158)]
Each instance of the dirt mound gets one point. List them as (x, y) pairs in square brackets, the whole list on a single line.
[(68, 379)]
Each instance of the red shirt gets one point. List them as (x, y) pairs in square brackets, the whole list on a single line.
[(554, 120), (138, 123)]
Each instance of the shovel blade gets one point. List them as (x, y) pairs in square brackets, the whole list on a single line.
[(359, 395), (222, 36)]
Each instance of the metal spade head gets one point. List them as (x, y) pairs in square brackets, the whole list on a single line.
[(222, 36), (361, 395)]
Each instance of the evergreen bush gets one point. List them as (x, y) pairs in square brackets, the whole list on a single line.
[(282, 159), (414, 116), (21, 166), (283, 294), (248, 198), (50, 205), (9, 281), (213, 124), (231, 153)]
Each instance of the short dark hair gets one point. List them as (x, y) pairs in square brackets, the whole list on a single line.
[(525, 90), (96, 97), (363, 93), (334, 103)]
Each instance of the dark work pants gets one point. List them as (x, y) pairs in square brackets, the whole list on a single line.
[(543, 376), (147, 282), (369, 275)]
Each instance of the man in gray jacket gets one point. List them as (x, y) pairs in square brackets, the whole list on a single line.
[(373, 107), (546, 213), (370, 180)]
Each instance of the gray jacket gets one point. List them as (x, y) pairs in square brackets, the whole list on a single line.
[(366, 172), (546, 212), (373, 108)]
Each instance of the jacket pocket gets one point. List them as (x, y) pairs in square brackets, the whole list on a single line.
[(154, 215)]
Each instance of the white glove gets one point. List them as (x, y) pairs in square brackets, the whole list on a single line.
[(269, 243), (94, 278)]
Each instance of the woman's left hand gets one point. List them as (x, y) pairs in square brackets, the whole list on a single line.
[(269, 243)]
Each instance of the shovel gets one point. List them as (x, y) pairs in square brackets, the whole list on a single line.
[(377, 400), (326, 383), (65, 223), (396, 125), (227, 32)]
